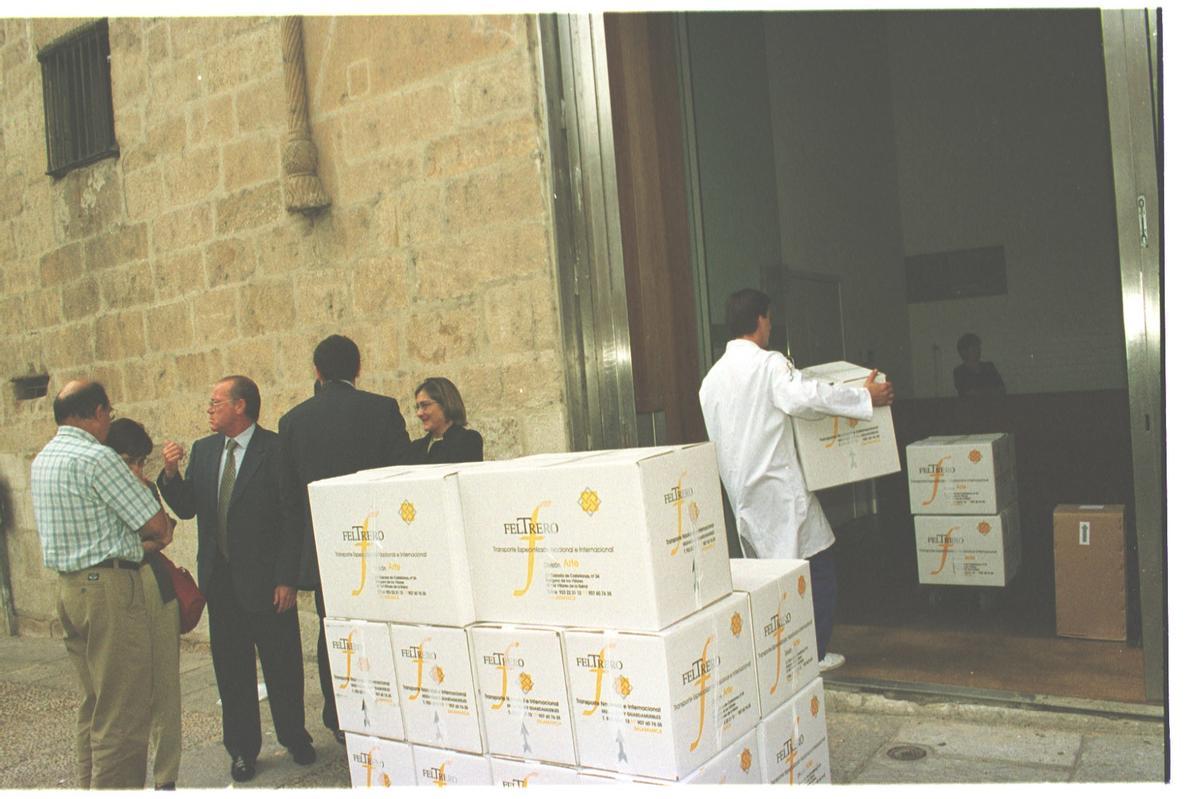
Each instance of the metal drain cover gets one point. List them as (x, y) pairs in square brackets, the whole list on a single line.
[(907, 752)]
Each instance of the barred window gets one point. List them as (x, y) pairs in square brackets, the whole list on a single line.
[(77, 97)]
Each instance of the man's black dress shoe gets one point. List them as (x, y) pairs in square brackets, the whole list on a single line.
[(339, 736), (303, 753), (241, 769)]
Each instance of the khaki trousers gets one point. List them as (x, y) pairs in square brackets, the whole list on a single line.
[(107, 632), (166, 725)]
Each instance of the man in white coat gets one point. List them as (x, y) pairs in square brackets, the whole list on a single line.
[(747, 398)]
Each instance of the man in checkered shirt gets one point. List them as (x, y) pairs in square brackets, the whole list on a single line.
[(95, 518)]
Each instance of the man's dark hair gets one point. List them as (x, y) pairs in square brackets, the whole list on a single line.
[(336, 358), (742, 311), (129, 438), (965, 341), (82, 403), (243, 388)]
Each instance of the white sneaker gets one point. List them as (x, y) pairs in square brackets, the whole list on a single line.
[(831, 661)]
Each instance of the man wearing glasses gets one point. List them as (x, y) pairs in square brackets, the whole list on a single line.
[(246, 565), (92, 515)]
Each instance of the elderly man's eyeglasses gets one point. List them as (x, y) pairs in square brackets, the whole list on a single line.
[(213, 404)]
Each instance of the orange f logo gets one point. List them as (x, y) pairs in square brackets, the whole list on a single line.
[(349, 658), (703, 684), (598, 670), (363, 546), (504, 677), (678, 503), (947, 542), (531, 538), (778, 643), (420, 669), (937, 480)]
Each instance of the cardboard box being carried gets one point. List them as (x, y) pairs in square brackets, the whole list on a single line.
[(793, 740), (630, 539), (661, 704), (436, 687), (962, 474), (785, 637), (523, 696), (364, 677), (511, 773), (445, 767), (835, 450), (390, 546), (968, 550), (1090, 586), (378, 762)]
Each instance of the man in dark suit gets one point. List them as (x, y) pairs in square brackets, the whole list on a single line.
[(247, 569), (339, 430)]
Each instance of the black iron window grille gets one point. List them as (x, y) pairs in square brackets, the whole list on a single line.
[(77, 97)]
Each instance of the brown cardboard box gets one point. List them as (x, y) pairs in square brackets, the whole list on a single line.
[(1089, 572)]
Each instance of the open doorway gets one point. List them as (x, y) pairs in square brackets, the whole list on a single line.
[(873, 149)]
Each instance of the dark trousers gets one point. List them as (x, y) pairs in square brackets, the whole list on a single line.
[(824, 587), (234, 635), (329, 712)]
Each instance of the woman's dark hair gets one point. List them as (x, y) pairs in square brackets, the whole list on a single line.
[(129, 438), (966, 341), (742, 311), (445, 393)]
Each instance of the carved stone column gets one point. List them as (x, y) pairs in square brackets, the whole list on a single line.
[(302, 188)]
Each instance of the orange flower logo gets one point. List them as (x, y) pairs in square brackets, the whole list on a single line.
[(438, 674), (694, 512), (852, 423), (746, 761), (407, 512), (589, 500), (735, 625), (801, 585), (975, 456), (984, 528), (624, 688), (526, 682), (387, 781), (814, 707)]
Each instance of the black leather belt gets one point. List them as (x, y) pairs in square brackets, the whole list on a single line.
[(117, 563)]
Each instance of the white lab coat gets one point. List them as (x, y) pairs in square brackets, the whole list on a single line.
[(747, 398)]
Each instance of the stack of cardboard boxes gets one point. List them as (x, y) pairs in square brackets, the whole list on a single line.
[(963, 494), (562, 619)]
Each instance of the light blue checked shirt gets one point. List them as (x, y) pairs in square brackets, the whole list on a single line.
[(87, 503)]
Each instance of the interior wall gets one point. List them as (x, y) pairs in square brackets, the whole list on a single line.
[(735, 154), (1001, 134), (835, 164)]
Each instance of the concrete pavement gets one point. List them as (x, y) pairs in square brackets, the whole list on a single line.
[(875, 738)]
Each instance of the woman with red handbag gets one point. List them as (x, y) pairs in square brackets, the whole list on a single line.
[(133, 444)]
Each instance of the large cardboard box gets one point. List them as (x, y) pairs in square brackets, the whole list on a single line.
[(378, 762), (437, 688), (983, 550), (364, 677), (785, 636), (1090, 586), (629, 539), (734, 765), (793, 740), (390, 546), (962, 474), (661, 704), (835, 450), (511, 773), (442, 768), (523, 696)]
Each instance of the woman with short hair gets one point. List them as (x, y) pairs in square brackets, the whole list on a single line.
[(444, 417)]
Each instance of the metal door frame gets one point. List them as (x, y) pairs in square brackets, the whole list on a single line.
[(1131, 72), (587, 233)]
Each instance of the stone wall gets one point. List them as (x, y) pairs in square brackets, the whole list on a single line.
[(177, 263)]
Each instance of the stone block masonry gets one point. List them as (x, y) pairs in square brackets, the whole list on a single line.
[(176, 263)]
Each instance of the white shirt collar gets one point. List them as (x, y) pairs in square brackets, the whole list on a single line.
[(243, 438)]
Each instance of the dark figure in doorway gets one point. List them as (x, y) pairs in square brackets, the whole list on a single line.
[(973, 377)]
